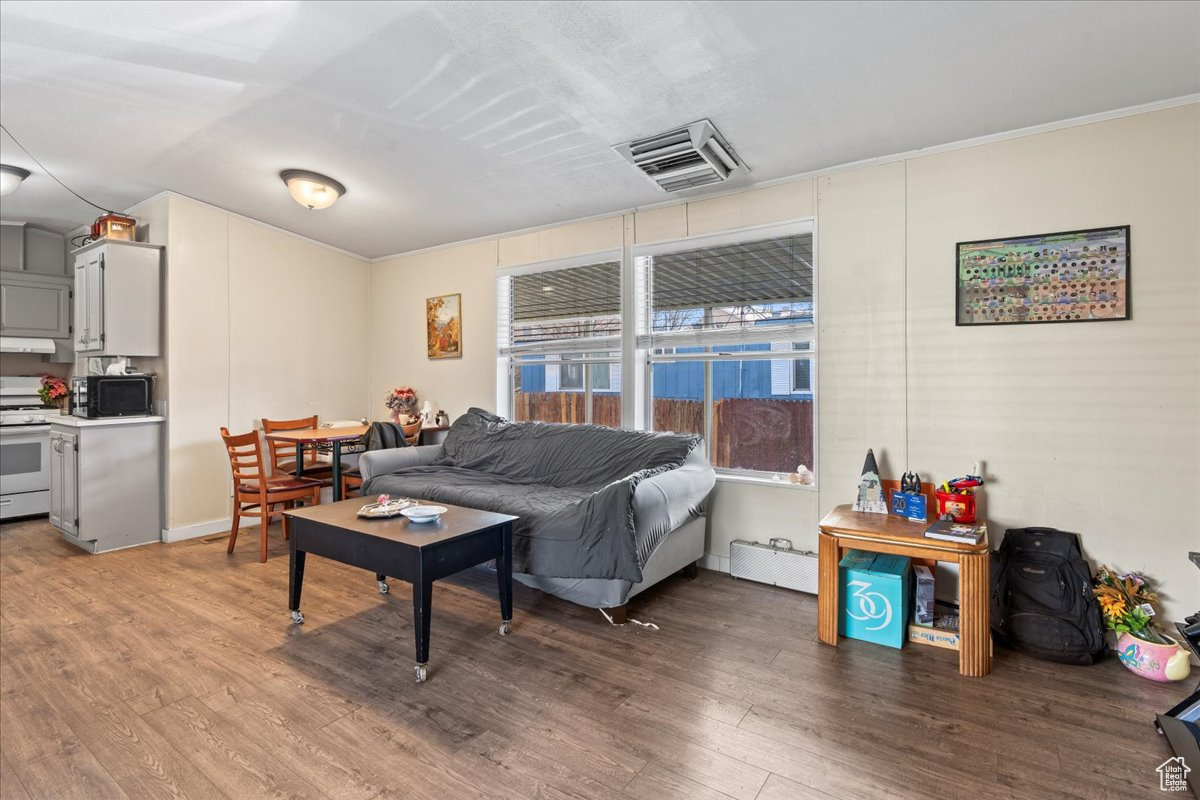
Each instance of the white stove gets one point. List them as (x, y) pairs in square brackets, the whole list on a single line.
[(26, 415), (24, 448)]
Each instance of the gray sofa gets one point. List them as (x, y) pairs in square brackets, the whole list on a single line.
[(604, 513)]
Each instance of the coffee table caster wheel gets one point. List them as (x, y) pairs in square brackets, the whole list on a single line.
[(422, 672), (383, 587), (297, 617), (506, 627)]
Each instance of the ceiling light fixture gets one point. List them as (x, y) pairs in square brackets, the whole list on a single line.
[(312, 189), (10, 178)]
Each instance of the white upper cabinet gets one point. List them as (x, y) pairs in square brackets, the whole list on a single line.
[(117, 299)]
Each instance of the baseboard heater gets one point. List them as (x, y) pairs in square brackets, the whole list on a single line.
[(776, 563)]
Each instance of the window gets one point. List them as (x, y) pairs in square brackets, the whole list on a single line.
[(721, 330), (800, 370), (559, 341), (800, 377), (726, 327), (570, 377)]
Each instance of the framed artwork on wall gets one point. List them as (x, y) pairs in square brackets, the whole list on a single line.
[(1071, 276), (443, 326)]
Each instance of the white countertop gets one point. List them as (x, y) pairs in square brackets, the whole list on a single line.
[(79, 422)]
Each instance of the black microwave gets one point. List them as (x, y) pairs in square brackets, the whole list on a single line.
[(96, 396)]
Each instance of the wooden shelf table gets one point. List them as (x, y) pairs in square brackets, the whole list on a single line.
[(843, 529)]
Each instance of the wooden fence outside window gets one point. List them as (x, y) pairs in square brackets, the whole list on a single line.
[(756, 433)]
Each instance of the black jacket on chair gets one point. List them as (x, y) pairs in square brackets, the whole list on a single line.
[(384, 436)]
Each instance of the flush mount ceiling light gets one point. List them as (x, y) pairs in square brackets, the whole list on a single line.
[(312, 189), (10, 178)]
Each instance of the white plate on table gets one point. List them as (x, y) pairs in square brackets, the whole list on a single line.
[(421, 514)]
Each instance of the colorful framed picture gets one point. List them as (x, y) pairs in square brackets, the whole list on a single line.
[(443, 326), (1072, 276)]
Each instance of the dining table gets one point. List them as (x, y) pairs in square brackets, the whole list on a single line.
[(312, 437)]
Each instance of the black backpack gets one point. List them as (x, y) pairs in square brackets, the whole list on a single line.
[(1042, 601)]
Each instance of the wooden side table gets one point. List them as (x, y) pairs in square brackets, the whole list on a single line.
[(433, 434), (843, 529)]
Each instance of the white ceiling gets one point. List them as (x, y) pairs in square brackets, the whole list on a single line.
[(448, 121)]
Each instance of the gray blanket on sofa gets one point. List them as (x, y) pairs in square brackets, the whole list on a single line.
[(571, 485)]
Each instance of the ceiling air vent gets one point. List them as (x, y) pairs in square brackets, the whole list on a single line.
[(684, 158)]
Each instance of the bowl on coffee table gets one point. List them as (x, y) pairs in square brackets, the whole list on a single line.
[(423, 514)]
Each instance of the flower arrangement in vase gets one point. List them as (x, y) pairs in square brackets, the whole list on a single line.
[(1127, 603), (53, 391), (402, 402)]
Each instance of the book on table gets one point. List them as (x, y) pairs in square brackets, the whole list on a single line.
[(961, 532)]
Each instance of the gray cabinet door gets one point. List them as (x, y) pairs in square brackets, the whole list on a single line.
[(35, 306), (45, 252), (56, 467), (89, 301), (70, 490), (12, 246), (63, 481), (64, 489)]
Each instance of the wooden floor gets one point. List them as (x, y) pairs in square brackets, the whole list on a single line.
[(174, 671)]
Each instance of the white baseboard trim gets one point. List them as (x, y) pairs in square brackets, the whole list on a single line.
[(715, 562), (198, 530)]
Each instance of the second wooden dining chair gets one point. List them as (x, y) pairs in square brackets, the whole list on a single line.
[(283, 454), (254, 490)]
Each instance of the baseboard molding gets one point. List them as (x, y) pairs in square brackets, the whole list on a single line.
[(198, 530), (714, 562)]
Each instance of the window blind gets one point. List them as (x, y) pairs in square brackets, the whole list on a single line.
[(726, 292), (566, 309)]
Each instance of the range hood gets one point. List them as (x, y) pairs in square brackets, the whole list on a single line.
[(14, 344)]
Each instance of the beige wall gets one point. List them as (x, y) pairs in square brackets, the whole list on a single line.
[(31, 364), (259, 323), (396, 312), (1089, 428), (198, 354), (1064, 417)]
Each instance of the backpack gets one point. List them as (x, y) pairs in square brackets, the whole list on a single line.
[(1042, 602)]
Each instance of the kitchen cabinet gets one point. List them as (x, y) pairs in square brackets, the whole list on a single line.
[(32, 249), (35, 306), (117, 299), (64, 496), (45, 252), (106, 481), (12, 245)]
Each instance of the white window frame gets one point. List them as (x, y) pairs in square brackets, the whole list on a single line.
[(653, 348), (589, 350)]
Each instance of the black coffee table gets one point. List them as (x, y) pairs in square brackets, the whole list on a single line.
[(417, 553)]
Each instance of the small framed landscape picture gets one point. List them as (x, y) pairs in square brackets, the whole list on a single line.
[(443, 326)]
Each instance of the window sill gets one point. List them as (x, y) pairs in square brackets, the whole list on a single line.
[(762, 480)]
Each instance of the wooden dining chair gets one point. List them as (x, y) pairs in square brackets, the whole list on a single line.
[(254, 489), (283, 454), (352, 478)]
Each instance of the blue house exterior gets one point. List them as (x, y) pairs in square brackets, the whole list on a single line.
[(684, 380)]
